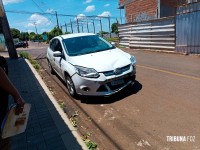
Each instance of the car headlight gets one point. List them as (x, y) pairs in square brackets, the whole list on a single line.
[(87, 72), (133, 60)]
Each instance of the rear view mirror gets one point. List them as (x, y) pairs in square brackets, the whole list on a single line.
[(57, 54)]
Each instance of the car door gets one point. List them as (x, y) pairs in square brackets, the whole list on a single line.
[(50, 51), (58, 60)]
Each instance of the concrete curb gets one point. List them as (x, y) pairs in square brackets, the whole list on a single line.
[(60, 111)]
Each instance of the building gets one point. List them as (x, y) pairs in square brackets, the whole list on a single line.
[(180, 33), (140, 10)]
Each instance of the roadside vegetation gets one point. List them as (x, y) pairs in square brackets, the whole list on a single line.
[(47, 36), (91, 145), (35, 63)]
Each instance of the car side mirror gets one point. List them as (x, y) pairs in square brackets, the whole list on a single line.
[(57, 54)]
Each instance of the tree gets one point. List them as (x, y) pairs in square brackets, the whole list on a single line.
[(32, 36), (54, 32), (15, 33), (24, 36), (114, 28)]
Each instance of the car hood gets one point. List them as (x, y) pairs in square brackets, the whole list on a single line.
[(102, 61)]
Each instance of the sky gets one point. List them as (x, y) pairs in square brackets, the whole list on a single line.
[(32, 15)]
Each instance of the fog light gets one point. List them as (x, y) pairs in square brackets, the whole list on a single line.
[(84, 88)]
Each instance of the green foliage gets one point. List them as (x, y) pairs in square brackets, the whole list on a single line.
[(67, 32), (114, 28), (90, 144), (24, 55), (32, 36), (54, 32), (101, 33), (24, 36), (37, 66), (62, 105), (15, 33), (113, 39)]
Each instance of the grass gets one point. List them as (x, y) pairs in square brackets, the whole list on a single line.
[(89, 143), (113, 39), (35, 63)]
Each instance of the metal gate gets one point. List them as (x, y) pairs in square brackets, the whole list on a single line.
[(154, 34), (188, 29)]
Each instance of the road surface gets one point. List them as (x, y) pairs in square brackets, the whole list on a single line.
[(161, 111)]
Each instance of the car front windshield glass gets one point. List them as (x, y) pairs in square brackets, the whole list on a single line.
[(85, 45)]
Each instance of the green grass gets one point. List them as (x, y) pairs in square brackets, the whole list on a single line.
[(35, 63), (113, 39)]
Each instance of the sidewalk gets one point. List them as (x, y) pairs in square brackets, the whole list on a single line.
[(46, 128)]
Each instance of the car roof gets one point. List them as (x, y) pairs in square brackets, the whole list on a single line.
[(66, 36)]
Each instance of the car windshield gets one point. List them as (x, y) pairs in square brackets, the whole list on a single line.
[(86, 45)]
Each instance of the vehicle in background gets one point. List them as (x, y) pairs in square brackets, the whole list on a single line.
[(20, 44)]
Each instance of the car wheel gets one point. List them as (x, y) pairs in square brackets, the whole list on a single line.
[(50, 68), (70, 86)]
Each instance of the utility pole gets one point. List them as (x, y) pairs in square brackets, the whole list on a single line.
[(77, 24), (109, 25), (121, 15), (7, 33), (36, 32), (57, 19), (66, 27), (71, 26), (87, 28), (82, 27), (101, 26), (93, 26)]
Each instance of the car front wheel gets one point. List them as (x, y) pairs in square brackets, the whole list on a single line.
[(50, 68), (70, 86)]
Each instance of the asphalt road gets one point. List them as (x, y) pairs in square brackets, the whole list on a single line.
[(162, 106)]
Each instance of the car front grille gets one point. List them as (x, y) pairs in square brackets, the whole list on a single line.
[(103, 88), (117, 71)]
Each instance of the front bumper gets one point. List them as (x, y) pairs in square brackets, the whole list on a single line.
[(103, 86)]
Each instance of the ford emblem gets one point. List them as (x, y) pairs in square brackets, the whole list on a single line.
[(117, 71)]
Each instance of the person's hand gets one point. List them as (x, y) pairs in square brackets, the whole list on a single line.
[(20, 105)]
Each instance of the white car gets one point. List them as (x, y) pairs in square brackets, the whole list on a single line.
[(90, 65)]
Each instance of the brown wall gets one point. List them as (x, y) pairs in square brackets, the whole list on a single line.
[(121, 2), (140, 9)]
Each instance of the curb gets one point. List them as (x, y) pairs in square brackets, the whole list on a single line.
[(60, 111), (163, 51)]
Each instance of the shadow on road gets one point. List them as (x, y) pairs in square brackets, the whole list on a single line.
[(116, 97)]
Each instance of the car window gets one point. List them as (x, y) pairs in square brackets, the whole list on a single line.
[(85, 45), (58, 46), (53, 44)]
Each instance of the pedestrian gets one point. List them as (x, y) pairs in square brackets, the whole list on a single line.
[(6, 88), (26, 44)]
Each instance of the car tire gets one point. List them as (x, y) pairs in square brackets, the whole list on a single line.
[(50, 68), (70, 86)]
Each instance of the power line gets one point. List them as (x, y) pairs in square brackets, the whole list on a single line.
[(64, 15), (37, 6)]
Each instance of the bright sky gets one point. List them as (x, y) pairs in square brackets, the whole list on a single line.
[(22, 14)]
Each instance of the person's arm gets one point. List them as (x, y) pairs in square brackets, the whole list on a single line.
[(7, 85)]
